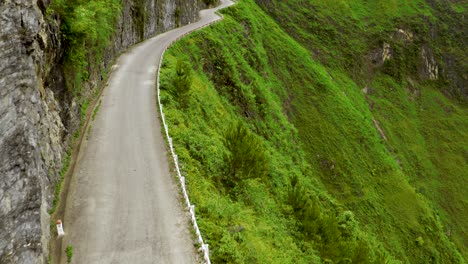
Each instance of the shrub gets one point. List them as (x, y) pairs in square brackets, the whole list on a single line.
[(245, 157), (419, 241), (337, 238), (182, 81), (69, 251)]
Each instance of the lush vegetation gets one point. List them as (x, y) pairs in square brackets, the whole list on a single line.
[(344, 35), (288, 160), (86, 28), (423, 129)]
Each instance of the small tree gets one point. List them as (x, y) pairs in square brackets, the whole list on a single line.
[(182, 81), (305, 209), (245, 158)]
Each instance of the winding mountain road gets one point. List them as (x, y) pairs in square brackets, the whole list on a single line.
[(122, 206)]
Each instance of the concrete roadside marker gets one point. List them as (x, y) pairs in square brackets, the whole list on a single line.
[(60, 228)]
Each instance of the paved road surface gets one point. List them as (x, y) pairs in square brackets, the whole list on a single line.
[(122, 205)]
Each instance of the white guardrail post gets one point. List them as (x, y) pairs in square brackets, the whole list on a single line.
[(191, 207)]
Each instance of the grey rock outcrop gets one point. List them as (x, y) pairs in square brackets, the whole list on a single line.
[(38, 115), (430, 69), (30, 134)]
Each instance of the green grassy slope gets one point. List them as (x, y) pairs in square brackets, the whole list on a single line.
[(349, 177), (341, 34), (425, 131)]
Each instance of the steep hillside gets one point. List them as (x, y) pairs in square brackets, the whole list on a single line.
[(401, 53), (426, 39), (356, 145)]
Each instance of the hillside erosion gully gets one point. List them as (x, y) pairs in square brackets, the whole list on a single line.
[(122, 205)]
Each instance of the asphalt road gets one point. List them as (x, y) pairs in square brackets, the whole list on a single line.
[(122, 206)]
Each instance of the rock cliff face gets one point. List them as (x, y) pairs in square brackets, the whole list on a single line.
[(30, 130), (38, 116)]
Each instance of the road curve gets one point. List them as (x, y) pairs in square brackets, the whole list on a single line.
[(122, 206)]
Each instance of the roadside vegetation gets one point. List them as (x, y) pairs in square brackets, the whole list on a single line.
[(69, 251), (58, 187), (288, 160), (86, 28)]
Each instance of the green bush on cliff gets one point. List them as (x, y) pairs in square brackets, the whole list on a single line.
[(245, 157), (182, 82), (86, 27)]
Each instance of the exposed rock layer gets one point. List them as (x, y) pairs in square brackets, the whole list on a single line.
[(38, 116)]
